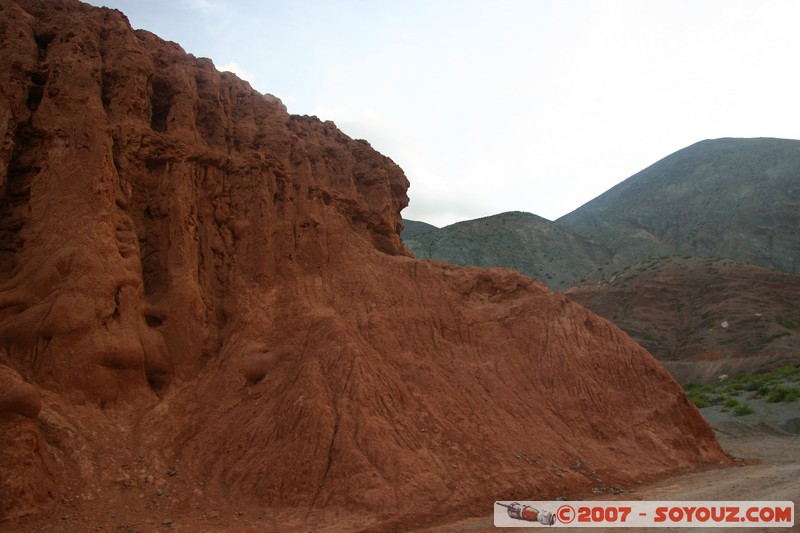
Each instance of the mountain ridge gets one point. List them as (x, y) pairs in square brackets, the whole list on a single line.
[(729, 197), (523, 241), (624, 222)]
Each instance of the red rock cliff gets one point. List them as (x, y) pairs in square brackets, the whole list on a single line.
[(193, 280)]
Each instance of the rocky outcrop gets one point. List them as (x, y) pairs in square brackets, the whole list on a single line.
[(194, 282)]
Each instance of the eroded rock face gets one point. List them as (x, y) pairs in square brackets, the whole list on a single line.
[(190, 276)]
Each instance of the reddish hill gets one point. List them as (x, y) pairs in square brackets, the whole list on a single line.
[(208, 319), (703, 317)]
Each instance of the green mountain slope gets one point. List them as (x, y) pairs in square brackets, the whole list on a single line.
[(737, 198), (527, 243)]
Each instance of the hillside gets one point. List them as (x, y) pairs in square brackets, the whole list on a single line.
[(703, 317), (413, 229), (208, 320), (525, 242), (736, 198)]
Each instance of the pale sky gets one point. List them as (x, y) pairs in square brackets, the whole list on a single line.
[(502, 105)]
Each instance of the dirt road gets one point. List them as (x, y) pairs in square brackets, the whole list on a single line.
[(770, 471)]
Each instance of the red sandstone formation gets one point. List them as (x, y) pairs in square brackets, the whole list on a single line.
[(207, 316)]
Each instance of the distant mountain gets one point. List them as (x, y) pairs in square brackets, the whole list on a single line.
[(525, 242), (414, 228), (703, 317), (737, 198)]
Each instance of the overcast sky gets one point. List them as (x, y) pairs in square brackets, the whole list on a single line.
[(501, 105)]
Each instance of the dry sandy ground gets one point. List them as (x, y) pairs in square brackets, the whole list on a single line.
[(770, 471)]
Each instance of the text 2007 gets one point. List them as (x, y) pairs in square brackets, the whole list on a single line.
[(603, 514)]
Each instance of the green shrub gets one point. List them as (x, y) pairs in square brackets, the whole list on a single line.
[(787, 372), (783, 394), (716, 399), (776, 386), (743, 409), (697, 394), (730, 403), (699, 402), (753, 385), (792, 395)]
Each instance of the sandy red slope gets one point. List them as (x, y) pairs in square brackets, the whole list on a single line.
[(194, 281)]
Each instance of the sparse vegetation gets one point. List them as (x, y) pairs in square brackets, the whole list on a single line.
[(646, 336), (783, 394), (769, 338), (775, 386)]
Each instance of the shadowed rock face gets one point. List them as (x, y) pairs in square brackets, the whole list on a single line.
[(191, 278)]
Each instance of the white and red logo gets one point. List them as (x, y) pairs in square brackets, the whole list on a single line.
[(644, 514)]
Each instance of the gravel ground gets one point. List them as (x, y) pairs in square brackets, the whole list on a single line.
[(769, 470), (771, 418)]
